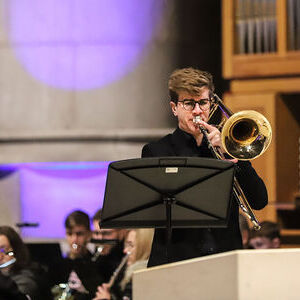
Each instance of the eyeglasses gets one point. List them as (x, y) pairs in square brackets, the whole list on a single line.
[(104, 232), (9, 252), (189, 104)]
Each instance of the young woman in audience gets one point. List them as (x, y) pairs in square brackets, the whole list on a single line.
[(138, 246)]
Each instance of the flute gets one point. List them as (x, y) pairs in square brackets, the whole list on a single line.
[(118, 269)]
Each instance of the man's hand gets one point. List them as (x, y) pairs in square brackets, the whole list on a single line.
[(75, 283), (103, 292), (214, 137)]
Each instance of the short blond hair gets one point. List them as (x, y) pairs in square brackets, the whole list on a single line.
[(189, 80)]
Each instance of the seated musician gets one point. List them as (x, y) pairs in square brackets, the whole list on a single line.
[(77, 270), (137, 248), (108, 255), (16, 268), (268, 237)]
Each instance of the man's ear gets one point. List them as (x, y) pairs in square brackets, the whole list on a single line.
[(174, 108)]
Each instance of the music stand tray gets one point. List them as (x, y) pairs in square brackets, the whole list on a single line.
[(168, 192)]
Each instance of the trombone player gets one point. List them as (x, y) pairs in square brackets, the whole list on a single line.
[(191, 98)]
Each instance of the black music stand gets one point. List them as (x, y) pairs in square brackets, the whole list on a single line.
[(168, 192)]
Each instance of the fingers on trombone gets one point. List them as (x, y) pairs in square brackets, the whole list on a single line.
[(210, 128), (234, 160)]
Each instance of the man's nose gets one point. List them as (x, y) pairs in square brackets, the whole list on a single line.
[(74, 238), (98, 235), (197, 108)]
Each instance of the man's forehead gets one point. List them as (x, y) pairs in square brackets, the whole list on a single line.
[(77, 229), (203, 94)]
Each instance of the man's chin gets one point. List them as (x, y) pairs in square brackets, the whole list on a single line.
[(190, 128), (194, 130)]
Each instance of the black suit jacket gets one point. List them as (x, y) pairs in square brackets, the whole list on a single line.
[(194, 242)]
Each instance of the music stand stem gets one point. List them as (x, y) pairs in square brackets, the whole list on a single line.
[(168, 201)]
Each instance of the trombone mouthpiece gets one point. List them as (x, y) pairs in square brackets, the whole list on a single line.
[(197, 119)]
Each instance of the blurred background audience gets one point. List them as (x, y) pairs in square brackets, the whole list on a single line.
[(268, 237)]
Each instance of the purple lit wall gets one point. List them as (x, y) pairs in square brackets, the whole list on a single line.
[(80, 44), (50, 191)]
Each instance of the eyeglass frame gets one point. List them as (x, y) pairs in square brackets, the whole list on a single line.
[(9, 252), (104, 232), (196, 102)]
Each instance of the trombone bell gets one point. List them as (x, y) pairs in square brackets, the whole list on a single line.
[(246, 135)]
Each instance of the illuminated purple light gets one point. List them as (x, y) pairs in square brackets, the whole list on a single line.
[(50, 191), (80, 44)]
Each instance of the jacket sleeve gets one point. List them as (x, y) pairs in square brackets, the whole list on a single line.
[(252, 185)]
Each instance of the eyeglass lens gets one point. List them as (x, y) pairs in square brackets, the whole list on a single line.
[(189, 104), (9, 252)]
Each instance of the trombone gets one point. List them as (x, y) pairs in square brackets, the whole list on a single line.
[(245, 135)]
